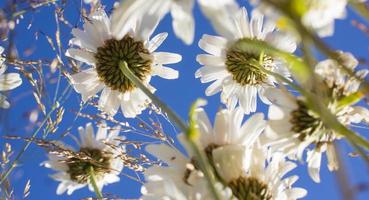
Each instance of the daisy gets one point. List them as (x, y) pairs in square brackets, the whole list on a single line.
[(104, 50), (8, 81), (293, 127), (235, 73), (176, 178), (217, 11), (317, 15), (242, 166), (74, 173)]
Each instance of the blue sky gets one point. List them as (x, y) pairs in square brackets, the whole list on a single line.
[(178, 94)]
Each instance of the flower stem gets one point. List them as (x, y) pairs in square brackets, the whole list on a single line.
[(305, 33), (361, 8), (203, 161), (93, 183), (172, 116)]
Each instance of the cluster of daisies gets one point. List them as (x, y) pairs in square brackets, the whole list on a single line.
[(250, 159)]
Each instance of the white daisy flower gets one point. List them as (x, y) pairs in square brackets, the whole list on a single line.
[(105, 49), (293, 127), (74, 173), (317, 15), (8, 81), (243, 168), (177, 178), (217, 11), (234, 72)]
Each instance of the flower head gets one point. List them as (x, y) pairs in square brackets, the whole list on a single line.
[(95, 153), (238, 74), (106, 49), (243, 168), (293, 126), (8, 81)]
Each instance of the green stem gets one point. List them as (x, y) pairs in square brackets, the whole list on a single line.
[(324, 48), (94, 185), (350, 99), (203, 161), (172, 116), (361, 8)]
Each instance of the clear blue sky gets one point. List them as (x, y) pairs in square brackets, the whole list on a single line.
[(178, 94)]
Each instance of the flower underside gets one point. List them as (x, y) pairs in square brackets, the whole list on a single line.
[(303, 121), (113, 53), (249, 188), (244, 188), (79, 168), (243, 67), (336, 92)]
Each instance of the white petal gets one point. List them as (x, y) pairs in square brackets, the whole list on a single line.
[(80, 55), (252, 128), (74, 186), (109, 101), (210, 60), (111, 178), (166, 58), (3, 102), (85, 76), (296, 193), (256, 23), (221, 127), (167, 154), (126, 15), (314, 160), (210, 73), (214, 49), (9, 81), (165, 72), (150, 19), (87, 136), (83, 40), (229, 161), (281, 98), (242, 23), (183, 21), (220, 14), (214, 88), (2, 66), (102, 132), (332, 158), (156, 41), (62, 187), (88, 89), (281, 41)]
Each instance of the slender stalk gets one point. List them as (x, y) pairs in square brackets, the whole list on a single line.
[(94, 185), (25, 147), (203, 161), (361, 8), (172, 116)]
